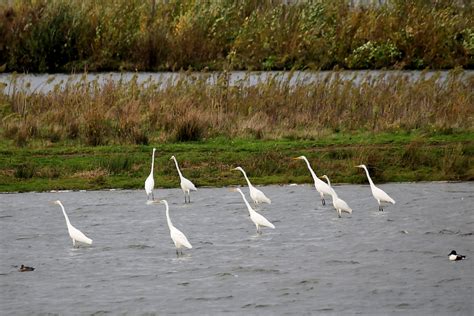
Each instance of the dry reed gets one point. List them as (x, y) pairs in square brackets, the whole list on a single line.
[(128, 112)]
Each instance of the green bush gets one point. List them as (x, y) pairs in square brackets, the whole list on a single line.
[(373, 55)]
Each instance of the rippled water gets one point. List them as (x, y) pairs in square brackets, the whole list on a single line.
[(369, 262), (45, 83)]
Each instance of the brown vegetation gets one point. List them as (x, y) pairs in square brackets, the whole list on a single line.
[(123, 112), (73, 35)]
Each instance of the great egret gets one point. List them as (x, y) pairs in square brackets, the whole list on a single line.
[(74, 233), (320, 185), (177, 236), (150, 182), (339, 204), (258, 219), (186, 185), (453, 256), (378, 194), (24, 268), (256, 195)]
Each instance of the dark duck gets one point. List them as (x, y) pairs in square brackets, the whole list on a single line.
[(24, 268)]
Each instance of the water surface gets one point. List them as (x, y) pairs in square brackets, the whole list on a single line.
[(369, 262), (45, 83)]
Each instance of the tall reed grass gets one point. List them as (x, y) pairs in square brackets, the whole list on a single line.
[(76, 35), (129, 112)]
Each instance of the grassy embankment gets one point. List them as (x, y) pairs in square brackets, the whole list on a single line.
[(71, 36), (395, 157), (88, 136)]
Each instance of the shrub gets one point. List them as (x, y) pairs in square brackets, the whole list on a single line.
[(25, 171), (373, 55), (190, 127)]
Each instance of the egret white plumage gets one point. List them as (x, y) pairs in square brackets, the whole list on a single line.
[(186, 185), (150, 181), (339, 204), (256, 195), (256, 218), (74, 233), (378, 193), (179, 239), (320, 185)]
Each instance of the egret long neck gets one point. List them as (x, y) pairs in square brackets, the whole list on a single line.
[(246, 178), (313, 174), (152, 162), (246, 203), (168, 219), (368, 176), (177, 167), (65, 215), (333, 192)]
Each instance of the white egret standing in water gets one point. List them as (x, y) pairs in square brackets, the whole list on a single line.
[(150, 181), (378, 194), (74, 233), (256, 195), (186, 185), (258, 219), (177, 236), (339, 204), (319, 184)]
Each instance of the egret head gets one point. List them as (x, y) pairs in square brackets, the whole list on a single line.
[(238, 168), (173, 157), (57, 202), (235, 190), (361, 166), (159, 202), (325, 177)]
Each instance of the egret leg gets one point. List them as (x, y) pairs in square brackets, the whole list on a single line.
[(380, 208), (177, 253), (73, 242), (152, 196), (323, 201), (189, 197)]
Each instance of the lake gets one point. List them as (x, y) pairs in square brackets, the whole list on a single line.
[(44, 83), (369, 262)]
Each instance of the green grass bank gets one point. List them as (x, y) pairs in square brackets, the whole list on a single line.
[(390, 157)]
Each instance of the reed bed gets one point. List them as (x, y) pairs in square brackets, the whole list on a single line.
[(190, 109), (135, 35)]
